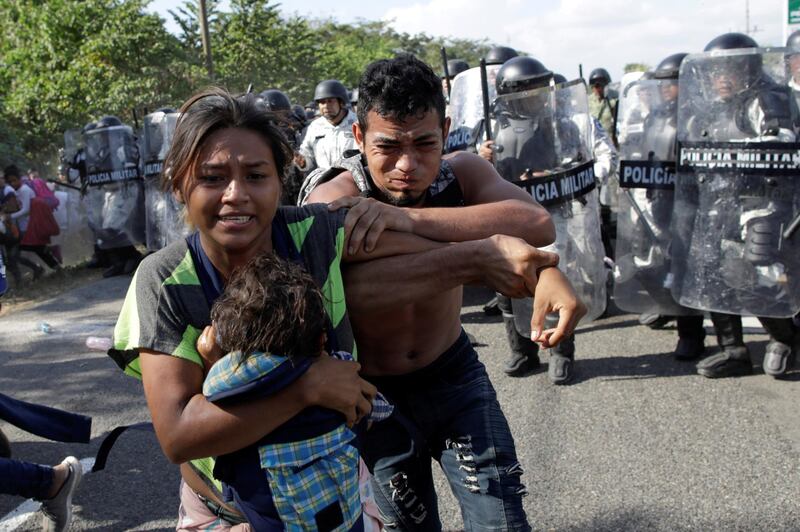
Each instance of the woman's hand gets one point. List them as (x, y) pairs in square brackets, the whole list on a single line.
[(335, 384), (207, 346)]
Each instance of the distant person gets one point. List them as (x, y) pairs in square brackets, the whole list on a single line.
[(330, 135), (15, 222)]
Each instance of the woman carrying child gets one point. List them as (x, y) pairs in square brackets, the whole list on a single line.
[(226, 165)]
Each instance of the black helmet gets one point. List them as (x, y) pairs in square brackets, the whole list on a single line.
[(794, 40), (108, 121), (299, 113), (747, 65), (166, 110), (331, 88), (599, 76), (521, 73), (498, 55), (456, 67), (276, 100), (730, 41), (558, 78), (354, 96), (88, 127), (669, 67)]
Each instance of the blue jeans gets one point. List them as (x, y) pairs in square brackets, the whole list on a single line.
[(25, 479), (447, 411)]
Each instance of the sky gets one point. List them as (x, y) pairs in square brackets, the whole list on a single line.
[(563, 33)]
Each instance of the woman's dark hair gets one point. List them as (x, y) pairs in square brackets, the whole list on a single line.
[(398, 88), (270, 305), (210, 111)]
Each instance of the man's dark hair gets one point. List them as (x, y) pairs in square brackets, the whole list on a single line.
[(11, 171), (270, 305), (398, 88)]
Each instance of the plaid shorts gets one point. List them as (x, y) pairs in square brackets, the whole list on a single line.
[(314, 483)]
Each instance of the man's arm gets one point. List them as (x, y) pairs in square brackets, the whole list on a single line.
[(304, 159), (507, 264), (494, 206), (24, 197)]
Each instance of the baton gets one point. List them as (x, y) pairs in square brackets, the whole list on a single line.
[(485, 93), (135, 118), (640, 213), (580, 70), (793, 226), (61, 183), (446, 71)]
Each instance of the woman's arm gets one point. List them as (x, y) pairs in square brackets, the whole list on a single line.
[(188, 426), (391, 243)]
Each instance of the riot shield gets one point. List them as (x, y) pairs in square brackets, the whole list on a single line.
[(544, 146), (163, 213), (647, 123), (737, 193), (115, 195), (73, 143), (466, 108)]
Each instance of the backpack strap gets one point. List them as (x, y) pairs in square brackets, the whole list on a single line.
[(352, 161)]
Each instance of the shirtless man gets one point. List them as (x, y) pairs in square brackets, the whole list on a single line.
[(411, 343)]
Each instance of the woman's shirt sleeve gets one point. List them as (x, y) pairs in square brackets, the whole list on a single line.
[(165, 310)]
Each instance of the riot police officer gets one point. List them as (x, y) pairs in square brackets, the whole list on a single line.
[(164, 214), (544, 145), (278, 104), (465, 108), (793, 64), (648, 128), (729, 254), (330, 135), (497, 55), (601, 105), (114, 193), (454, 68)]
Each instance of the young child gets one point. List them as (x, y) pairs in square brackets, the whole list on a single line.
[(272, 322)]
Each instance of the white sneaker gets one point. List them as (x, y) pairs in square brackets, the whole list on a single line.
[(57, 512)]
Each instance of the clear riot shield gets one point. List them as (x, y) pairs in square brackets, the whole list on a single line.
[(163, 213), (466, 108), (114, 195), (647, 125), (737, 194), (544, 147)]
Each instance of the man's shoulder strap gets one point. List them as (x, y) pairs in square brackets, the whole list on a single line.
[(351, 161)]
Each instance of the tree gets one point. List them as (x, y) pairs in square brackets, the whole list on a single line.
[(66, 62), (636, 67)]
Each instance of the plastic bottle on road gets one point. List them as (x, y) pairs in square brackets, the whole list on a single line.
[(97, 343), (45, 327)]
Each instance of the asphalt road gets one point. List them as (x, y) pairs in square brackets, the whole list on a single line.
[(637, 442)]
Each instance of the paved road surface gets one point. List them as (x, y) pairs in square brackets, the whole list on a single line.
[(637, 442)]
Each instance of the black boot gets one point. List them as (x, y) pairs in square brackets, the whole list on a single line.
[(524, 352), (784, 337), (734, 359), (562, 356), (691, 336)]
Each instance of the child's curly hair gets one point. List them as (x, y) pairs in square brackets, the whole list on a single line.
[(270, 305)]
